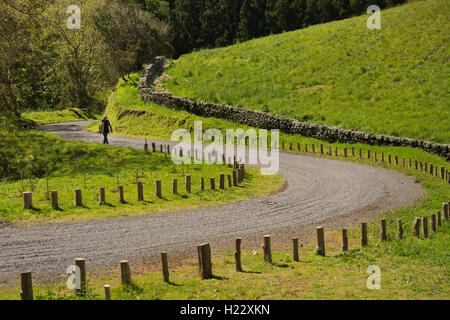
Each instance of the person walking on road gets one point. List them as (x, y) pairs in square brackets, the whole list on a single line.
[(105, 128)]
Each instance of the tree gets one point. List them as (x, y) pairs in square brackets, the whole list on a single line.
[(132, 36), (310, 13)]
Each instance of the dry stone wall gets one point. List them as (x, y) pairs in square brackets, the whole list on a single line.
[(259, 119)]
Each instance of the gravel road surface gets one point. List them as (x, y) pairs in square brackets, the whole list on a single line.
[(318, 191)]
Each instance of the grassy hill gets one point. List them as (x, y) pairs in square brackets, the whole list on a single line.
[(392, 81)]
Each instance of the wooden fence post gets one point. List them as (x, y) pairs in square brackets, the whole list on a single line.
[(107, 288), (267, 250), (382, 156), (344, 240), (439, 218), (360, 153), (188, 183), (290, 146), (345, 152), (158, 191), (125, 272), (102, 196), (375, 155), (313, 148), (140, 191), (445, 210), (78, 198), (389, 159), (165, 266), (239, 174), (26, 282), (213, 183), (204, 261), (336, 151), (146, 146), (235, 180), (27, 200), (55, 203), (416, 227), (222, 181), (396, 160), (400, 230), (298, 147), (121, 196), (330, 152), (230, 183), (295, 249), (237, 254), (174, 186), (80, 263), (353, 152), (364, 234), (368, 154), (433, 222), (320, 248), (425, 227), (202, 184), (306, 147), (153, 147), (383, 233), (442, 173)]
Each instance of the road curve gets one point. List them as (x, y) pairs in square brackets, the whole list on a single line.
[(318, 189)]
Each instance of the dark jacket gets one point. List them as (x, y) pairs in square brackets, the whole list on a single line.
[(106, 127)]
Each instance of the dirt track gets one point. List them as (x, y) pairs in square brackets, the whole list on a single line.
[(330, 192)]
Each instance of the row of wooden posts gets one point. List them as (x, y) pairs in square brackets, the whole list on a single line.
[(433, 223), (233, 180), (432, 169), (204, 252)]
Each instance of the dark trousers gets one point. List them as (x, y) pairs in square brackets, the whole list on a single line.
[(105, 140)]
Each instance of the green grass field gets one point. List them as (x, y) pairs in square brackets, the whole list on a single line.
[(391, 81), (77, 165)]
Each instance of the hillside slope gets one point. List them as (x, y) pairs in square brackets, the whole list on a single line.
[(392, 81)]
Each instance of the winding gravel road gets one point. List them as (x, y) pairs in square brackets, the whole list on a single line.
[(318, 190)]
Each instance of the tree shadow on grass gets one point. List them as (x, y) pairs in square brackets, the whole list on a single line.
[(280, 265), (216, 277), (175, 284), (251, 272), (109, 205)]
